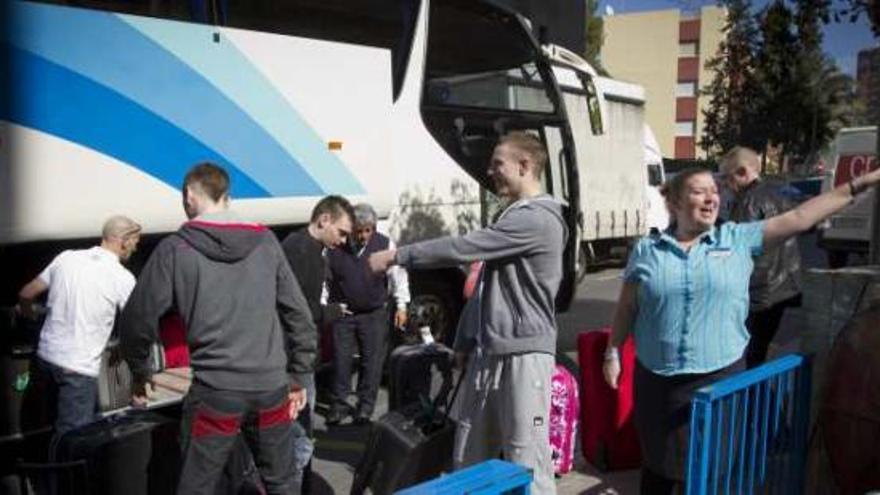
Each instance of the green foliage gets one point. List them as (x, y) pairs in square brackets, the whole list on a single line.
[(730, 117), (773, 85), (595, 36), (778, 72)]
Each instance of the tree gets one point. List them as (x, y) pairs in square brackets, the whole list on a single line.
[(804, 98), (778, 77), (595, 36), (839, 95), (731, 116)]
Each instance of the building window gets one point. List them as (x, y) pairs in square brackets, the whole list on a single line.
[(686, 89), (684, 128), (688, 49)]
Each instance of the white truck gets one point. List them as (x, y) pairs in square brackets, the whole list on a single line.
[(852, 153), (109, 103), (615, 150)]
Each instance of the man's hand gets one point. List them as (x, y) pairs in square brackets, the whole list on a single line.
[(298, 400), (400, 318), (25, 309), (343, 310), (380, 261), (141, 392), (611, 371)]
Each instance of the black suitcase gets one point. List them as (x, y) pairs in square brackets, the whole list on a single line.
[(24, 409), (416, 372), (408, 446), (134, 453)]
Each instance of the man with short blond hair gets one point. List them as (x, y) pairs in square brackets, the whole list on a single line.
[(775, 283), (507, 329), (86, 289)]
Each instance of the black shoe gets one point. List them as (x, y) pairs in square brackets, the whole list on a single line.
[(361, 417), (334, 417)]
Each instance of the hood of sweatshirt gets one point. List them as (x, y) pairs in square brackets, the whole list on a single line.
[(222, 237), (545, 202)]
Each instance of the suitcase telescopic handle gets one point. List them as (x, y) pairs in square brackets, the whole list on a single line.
[(444, 396)]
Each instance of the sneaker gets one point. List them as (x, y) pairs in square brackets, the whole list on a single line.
[(361, 417), (334, 417)]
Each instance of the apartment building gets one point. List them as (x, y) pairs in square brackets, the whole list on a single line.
[(666, 52)]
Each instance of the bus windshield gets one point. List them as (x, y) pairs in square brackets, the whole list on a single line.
[(485, 76), (483, 59)]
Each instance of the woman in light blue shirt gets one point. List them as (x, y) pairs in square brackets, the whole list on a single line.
[(685, 299)]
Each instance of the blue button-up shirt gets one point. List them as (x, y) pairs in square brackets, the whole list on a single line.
[(692, 305)]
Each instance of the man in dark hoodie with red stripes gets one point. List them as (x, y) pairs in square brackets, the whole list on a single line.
[(249, 331)]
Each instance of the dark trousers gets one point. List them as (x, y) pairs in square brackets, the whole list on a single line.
[(212, 420), (762, 325), (74, 396), (652, 483), (369, 333), (663, 414)]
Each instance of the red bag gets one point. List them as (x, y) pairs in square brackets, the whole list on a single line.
[(608, 433), (565, 409), (172, 333)]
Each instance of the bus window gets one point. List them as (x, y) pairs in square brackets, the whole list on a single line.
[(484, 76), (482, 60)]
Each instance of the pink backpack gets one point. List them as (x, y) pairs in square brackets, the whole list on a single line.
[(564, 413)]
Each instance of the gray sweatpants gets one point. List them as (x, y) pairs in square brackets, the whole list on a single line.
[(504, 408)]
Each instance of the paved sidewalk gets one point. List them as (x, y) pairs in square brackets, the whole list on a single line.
[(338, 450)]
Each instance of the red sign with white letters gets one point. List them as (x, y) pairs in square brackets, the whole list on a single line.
[(853, 165)]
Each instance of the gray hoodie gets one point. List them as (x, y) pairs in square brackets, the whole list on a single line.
[(514, 309), (247, 322)]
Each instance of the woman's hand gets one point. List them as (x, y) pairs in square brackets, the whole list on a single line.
[(611, 371)]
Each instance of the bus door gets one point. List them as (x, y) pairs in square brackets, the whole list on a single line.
[(485, 76)]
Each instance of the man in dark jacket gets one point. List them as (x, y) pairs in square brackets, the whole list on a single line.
[(775, 282), (329, 227), (249, 331), (366, 327)]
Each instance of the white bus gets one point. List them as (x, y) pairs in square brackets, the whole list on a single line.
[(109, 102)]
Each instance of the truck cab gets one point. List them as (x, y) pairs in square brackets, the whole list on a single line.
[(848, 232)]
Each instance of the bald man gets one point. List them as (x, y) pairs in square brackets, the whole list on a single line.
[(775, 283), (86, 289)]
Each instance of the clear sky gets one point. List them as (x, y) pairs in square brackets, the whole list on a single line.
[(842, 41)]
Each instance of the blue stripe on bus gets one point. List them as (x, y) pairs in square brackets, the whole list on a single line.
[(100, 46), (234, 74), (70, 106)]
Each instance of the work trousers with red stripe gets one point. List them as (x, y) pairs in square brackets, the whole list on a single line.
[(210, 423)]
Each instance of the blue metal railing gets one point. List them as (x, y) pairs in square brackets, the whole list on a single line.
[(492, 477), (748, 432)]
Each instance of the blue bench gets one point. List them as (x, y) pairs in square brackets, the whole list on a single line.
[(487, 478)]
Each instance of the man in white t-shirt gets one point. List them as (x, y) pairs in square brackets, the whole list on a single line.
[(86, 289)]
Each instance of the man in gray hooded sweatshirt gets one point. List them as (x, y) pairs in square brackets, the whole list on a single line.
[(508, 328), (250, 334)]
